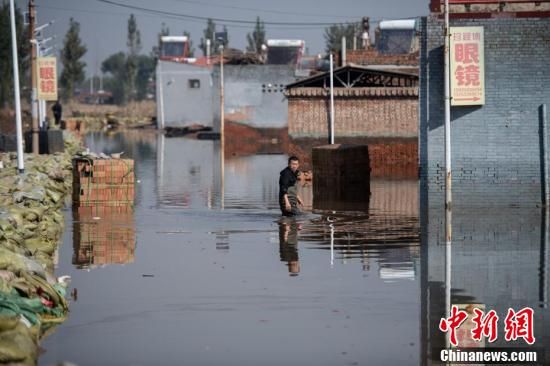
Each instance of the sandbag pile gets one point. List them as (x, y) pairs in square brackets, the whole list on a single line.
[(32, 300)]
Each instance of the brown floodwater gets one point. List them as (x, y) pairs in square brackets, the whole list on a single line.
[(205, 272)]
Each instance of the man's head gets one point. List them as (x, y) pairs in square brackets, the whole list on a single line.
[(293, 163)]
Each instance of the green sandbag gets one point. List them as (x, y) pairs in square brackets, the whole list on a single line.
[(38, 244), (17, 263), (18, 346), (35, 194), (11, 261), (34, 214), (44, 260), (13, 247), (14, 305), (30, 227), (5, 287), (57, 217), (54, 196), (8, 323), (5, 224), (49, 230), (52, 292)]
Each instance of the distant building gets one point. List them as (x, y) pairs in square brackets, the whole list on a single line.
[(396, 48), (184, 94), (397, 37), (284, 52), (174, 48), (188, 89), (254, 94)]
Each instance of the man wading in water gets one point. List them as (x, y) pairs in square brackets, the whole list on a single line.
[(288, 196)]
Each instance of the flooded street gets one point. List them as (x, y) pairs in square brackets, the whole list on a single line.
[(193, 276)]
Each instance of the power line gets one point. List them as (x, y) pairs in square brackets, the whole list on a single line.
[(156, 16), (263, 10), (222, 20)]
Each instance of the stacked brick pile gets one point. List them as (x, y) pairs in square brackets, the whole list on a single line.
[(99, 182), (103, 199)]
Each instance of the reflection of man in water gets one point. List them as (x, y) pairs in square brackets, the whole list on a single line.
[(288, 245), (288, 196)]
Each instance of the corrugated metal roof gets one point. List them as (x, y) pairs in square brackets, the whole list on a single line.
[(368, 70), (354, 92)]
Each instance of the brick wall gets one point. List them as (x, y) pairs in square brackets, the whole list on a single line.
[(496, 154), (368, 112), (373, 57)]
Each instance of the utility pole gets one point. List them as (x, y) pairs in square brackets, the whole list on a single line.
[(331, 100), (448, 176), (344, 52), (448, 173), (34, 100), (17, 95), (160, 97), (38, 101), (354, 36), (222, 128), (208, 45)]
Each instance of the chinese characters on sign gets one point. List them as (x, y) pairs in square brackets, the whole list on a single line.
[(467, 66), (485, 325), (47, 78)]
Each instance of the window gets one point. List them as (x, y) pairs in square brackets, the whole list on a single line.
[(194, 83)]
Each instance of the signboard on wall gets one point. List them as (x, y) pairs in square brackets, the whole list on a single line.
[(467, 66), (46, 78)]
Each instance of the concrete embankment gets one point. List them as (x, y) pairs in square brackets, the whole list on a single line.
[(32, 300)]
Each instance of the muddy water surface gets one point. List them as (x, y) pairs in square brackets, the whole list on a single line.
[(194, 276)]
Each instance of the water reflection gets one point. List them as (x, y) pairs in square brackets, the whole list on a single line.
[(392, 241), (497, 260), (187, 174), (288, 244), (240, 279), (103, 235)]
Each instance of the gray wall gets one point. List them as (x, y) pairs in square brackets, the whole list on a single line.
[(247, 93), (496, 147), (183, 105)]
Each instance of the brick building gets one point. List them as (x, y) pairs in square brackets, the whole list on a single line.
[(497, 154), (372, 106), (497, 161), (367, 103)]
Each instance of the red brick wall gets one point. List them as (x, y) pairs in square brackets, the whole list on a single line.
[(362, 116), (373, 57), (396, 158)]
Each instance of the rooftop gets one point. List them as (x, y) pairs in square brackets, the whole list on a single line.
[(357, 76)]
